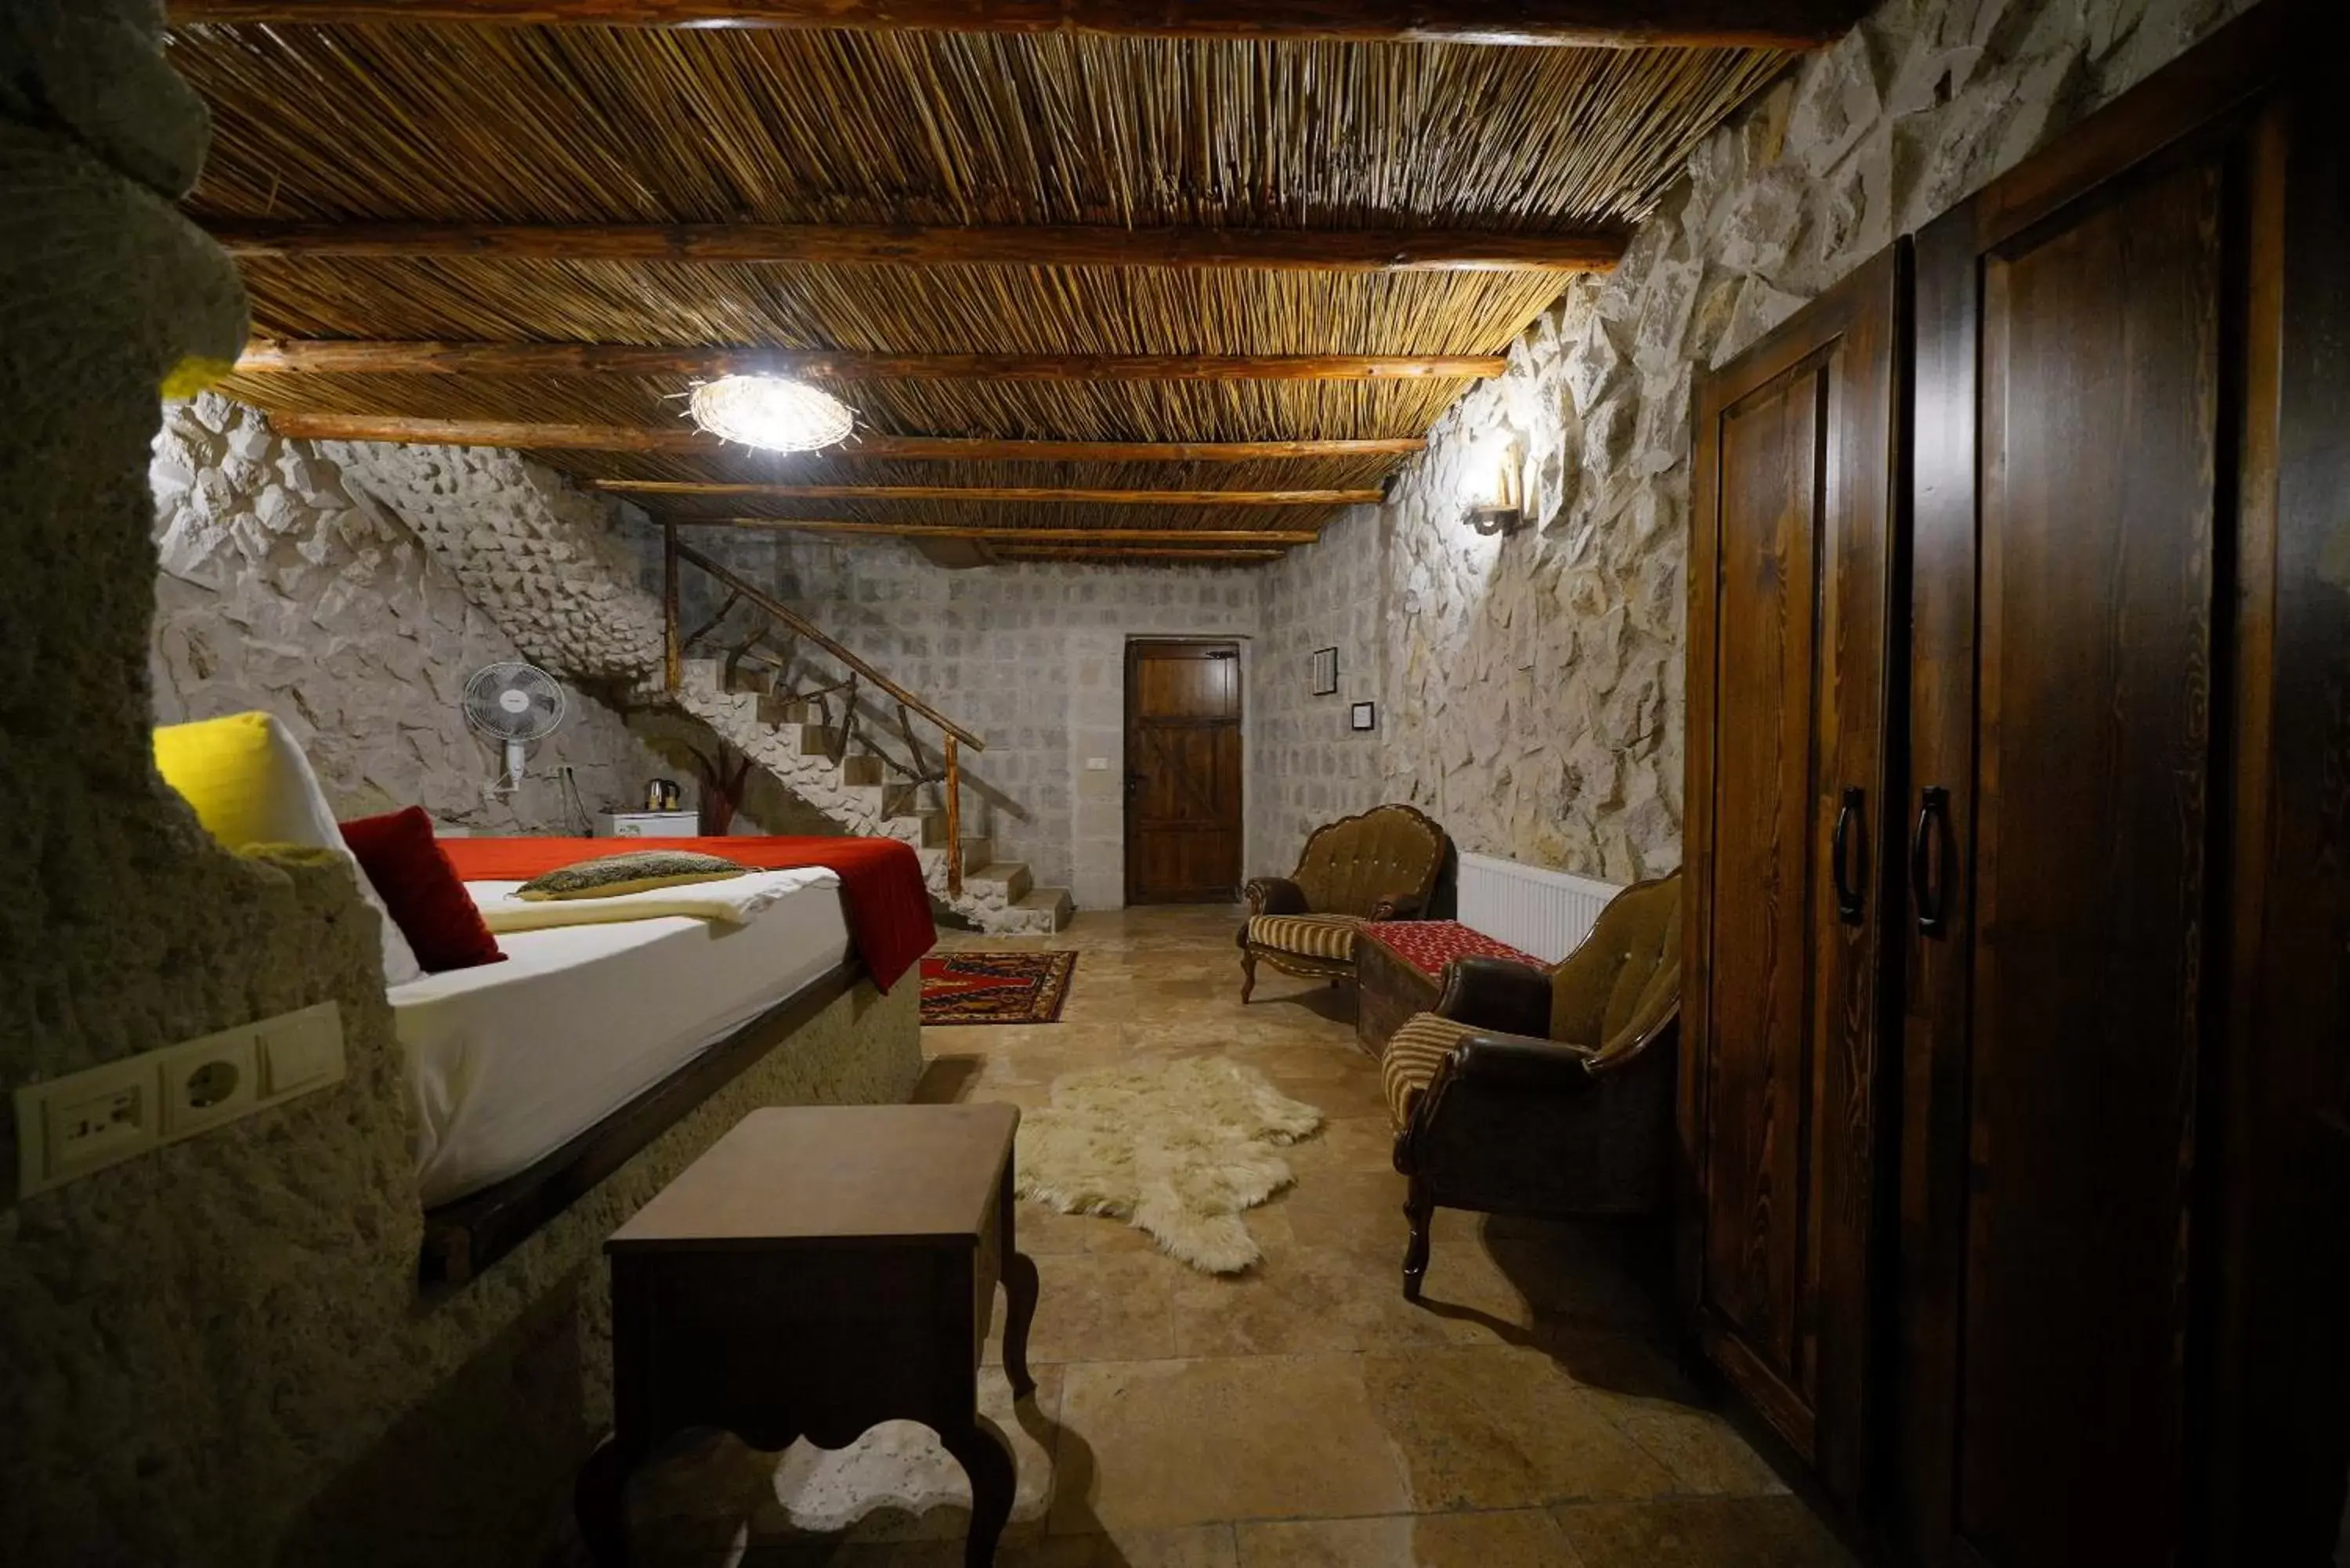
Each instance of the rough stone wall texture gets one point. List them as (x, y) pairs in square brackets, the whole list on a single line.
[(1309, 766), (1028, 657), (1534, 693), (216, 1352), (284, 589), (548, 562)]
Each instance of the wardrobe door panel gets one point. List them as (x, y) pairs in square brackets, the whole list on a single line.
[(2101, 395), (1758, 1268), (2086, 678), (1788, 656)]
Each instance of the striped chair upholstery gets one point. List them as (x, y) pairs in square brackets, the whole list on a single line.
[(1330, 937), (1414, 1053)]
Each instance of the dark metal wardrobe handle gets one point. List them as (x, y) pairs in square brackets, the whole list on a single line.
[(1849, 900), (1933, 819)]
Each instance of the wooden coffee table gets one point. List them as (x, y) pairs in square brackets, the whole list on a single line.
[(820, 1270)]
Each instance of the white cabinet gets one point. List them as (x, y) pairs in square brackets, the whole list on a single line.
[(648, 825)]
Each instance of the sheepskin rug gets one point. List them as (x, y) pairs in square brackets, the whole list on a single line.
[(1177, 1151)]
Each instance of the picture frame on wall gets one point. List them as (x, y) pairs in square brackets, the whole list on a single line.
[(1363, 716), (1325, 671)]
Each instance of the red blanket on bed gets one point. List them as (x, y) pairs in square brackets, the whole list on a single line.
[(881, 889)]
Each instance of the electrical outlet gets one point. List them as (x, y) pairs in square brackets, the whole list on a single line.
[(72, 1126), (209, 1081), (68, 1128)]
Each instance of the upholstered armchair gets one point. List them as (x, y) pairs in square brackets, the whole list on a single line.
[(1379, 865), (1546, 1094)]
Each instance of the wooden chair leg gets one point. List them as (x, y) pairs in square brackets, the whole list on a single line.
[(1248, 974), (1419, 1214)]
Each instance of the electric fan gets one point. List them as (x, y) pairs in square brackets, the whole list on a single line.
[(515, 703)]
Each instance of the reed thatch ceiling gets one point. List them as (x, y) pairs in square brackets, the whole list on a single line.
[(571, 125)]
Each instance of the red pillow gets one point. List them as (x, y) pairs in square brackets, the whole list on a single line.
[(421, 887)]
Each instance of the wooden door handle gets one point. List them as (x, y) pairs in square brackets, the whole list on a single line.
[(1850, 901), (1929, 890)]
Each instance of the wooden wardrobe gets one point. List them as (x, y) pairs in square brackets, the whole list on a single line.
[(2015, 1069)]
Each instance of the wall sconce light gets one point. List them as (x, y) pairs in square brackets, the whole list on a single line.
[(1503, 508)]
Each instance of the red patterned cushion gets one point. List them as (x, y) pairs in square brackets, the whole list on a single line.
[(1428, 945)]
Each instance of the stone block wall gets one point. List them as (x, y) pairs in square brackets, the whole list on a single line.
[(1029, 657), (1309, 767), (1533, 696), (289, 586)]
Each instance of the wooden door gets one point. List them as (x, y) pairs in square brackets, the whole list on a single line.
[(1182, 773), (2092, 531), (1793, 552)]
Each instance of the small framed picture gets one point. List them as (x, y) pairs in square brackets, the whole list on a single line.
[(1364, 716), (1325, 671)]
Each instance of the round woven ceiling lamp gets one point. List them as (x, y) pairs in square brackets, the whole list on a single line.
[(771, 412)]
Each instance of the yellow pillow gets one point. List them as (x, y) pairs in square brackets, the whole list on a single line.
[(233, 771), (250, 784)]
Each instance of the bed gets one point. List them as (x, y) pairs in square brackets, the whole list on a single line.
[(509, 1062), (531, 1078)]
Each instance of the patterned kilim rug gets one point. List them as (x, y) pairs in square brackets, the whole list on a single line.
[(996, 988)]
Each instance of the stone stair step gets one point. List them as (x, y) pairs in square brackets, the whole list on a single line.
[(901, 797), (782, 710), (863, 768), (1042, 909), (978, 850), (816, 741), (1013, 874)]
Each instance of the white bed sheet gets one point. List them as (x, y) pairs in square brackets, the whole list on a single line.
[(508, 1061)]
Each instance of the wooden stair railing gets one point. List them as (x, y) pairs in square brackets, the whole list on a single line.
[(676, 552)]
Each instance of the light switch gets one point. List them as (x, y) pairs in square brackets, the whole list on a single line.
[(1097, 765), (301, 1050)]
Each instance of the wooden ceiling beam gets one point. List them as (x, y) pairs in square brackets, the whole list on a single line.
[(1026, 493), (1040, 536), (911, 245), (1586, 24), (346, 356), (684, 440), (1083, 555)]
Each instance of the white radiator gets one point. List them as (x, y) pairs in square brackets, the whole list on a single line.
[(1546, 913)]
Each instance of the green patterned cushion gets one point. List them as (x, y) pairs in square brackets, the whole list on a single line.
[(611, 874)]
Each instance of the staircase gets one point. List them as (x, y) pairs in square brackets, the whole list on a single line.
[(786, 736)]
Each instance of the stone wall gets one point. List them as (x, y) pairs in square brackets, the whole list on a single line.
[(288, 586), (216, 1352), (551, 563), (1030, 657), (1309, 767), (1533, 693)]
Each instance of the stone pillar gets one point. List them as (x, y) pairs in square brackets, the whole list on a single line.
[(171, 1372)]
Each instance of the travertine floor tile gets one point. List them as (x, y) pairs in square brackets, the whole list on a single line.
[(1302, 1415), (1300, 1299), (1345, 1143), (1202, 1546), (1518, 1537), (1098, 1306), (1151, 1444), (1493, 1427), (1042, 1230), (1700, 1532), (1704, 1454)]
